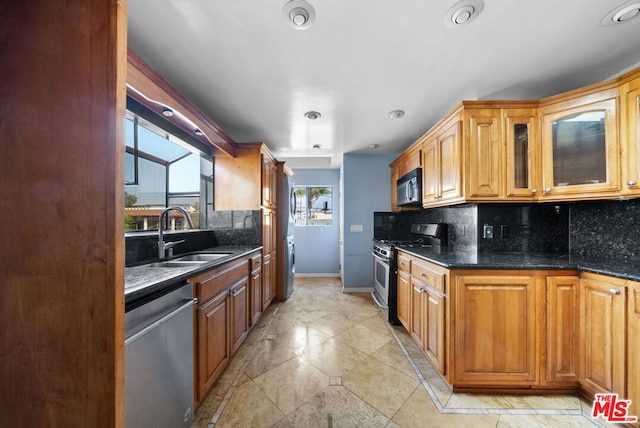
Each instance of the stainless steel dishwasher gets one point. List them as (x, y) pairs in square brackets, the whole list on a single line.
[(159, 361)]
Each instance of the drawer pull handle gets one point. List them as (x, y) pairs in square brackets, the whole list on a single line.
[(419, 290), (422, 274), (631, 183), (614, 291), (534, 191)]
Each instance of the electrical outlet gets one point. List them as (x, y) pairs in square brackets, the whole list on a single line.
[(487, 231), (504, 231)]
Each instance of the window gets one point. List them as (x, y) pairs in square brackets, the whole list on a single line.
[(162, 170), (314, 206)]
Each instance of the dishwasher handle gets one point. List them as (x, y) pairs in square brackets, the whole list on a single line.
[(187, 304)]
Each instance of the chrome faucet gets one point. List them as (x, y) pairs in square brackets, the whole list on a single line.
[(164, 246)]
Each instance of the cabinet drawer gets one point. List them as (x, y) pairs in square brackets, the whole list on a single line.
[(256, 262), (216, 280), (404, 262), (426, 275)]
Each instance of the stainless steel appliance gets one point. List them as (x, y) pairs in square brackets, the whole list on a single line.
[(409, 190), (385, 271), (290, 261), (159, 371)]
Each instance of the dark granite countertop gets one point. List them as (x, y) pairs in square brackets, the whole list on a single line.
[(144, 281), (456, 259)]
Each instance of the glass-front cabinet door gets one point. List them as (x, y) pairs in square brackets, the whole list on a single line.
[(631, 149), (521, 144), (580, 151)]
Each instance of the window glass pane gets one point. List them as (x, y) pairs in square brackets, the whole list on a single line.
[(129, 168), (521, 154), (301, 206), (128, 128), (151, 189), (184, 174), (314, 206), (158, 146)]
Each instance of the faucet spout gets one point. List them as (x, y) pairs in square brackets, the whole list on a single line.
[(162, 246)]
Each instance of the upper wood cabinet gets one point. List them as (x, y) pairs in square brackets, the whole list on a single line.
[(630, 132), (481, 151), (246, 181), (442, 167), (579, 145)]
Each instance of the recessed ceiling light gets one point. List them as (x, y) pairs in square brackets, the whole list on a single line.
[(395, 114), (373, 146), (299, 14), (316, 146), (198, 132), (166, 111), (622, 13), (463, 12), (312, 115)]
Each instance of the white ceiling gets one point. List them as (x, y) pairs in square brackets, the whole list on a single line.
[(254, 75)]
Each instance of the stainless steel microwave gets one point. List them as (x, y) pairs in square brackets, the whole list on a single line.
[(410, 188)]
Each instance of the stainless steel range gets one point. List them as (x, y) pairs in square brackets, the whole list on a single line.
[(385, 268)]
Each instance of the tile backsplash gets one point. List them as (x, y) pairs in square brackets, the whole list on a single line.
[(603, 230), (606, 230)]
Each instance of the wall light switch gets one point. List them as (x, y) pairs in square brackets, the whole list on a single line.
[(356, 228)]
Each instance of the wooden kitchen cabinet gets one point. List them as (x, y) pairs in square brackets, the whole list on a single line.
[(495, 331), (239, 304), (562, 365), (633, 348), (213, 351), (630, 132), (246, 181), (424, 285), (602, 334), (255, 289), (441, 172), (221, 320), (404, 299), (483, 151), (580, 151)]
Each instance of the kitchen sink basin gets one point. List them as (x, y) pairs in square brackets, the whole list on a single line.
[(201, 257), (175, 264)]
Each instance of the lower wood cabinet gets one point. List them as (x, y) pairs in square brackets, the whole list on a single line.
[(212, 342), (602, 334), (404, 299), (239, 315), (223, 318), (563, 293), (422, 306), (633, 349), (255, 289), (495, 330)]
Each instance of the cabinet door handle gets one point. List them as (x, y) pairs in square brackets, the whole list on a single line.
[(422, 274), (547, 190), (419, 290), (614, 291), (631, 183), (256, 276), (534, 191)]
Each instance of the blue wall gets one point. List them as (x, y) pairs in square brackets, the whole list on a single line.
[(366, 188), (317, 247)]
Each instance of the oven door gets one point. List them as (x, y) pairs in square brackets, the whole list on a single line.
[(380, 281)]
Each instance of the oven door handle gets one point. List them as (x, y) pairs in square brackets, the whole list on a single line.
[(377, 302), (383, 260)]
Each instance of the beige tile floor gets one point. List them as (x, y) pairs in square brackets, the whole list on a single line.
[(328, 359)]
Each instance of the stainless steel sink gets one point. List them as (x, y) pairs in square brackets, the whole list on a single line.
[(175, 264), (201, 257)]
